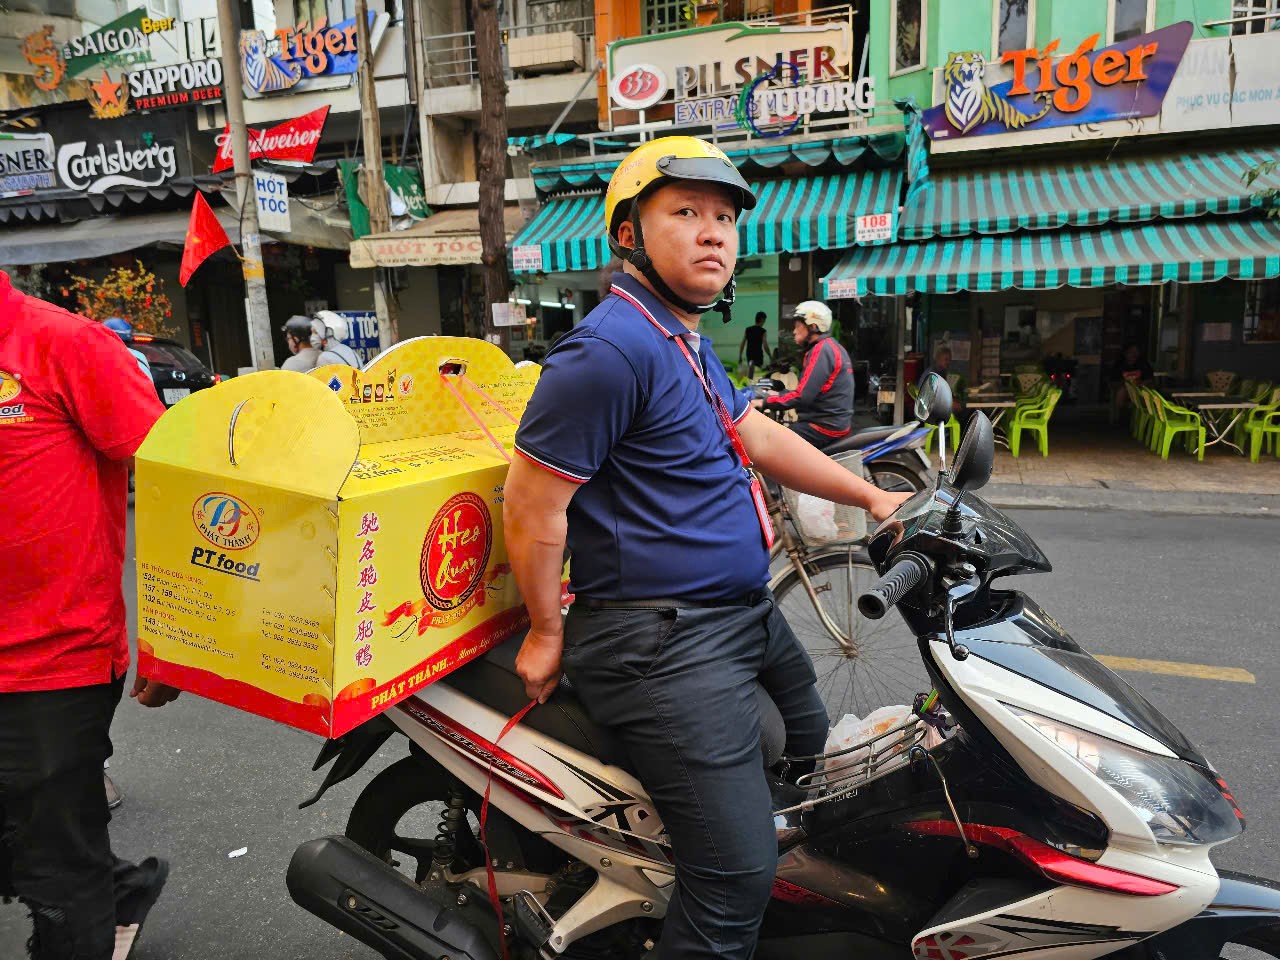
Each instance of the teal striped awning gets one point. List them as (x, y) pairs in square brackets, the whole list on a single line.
[(958, 203), (1188, 251), (793, 215), (757, 155)]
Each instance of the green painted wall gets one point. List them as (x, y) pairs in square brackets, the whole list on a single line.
[(966, 25)]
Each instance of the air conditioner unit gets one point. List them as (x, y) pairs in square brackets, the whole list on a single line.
[(546, 53)]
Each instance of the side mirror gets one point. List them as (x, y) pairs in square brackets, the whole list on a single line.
[(933, 405), (976, 456)]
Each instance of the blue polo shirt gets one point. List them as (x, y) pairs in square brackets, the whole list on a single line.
[(665, 506)]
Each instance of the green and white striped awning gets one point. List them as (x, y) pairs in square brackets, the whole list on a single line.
[(793, 215), (957, 203), (1188, 251), (755, 156)]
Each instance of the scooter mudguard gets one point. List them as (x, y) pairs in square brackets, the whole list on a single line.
[(353, 750), (1246, 911)]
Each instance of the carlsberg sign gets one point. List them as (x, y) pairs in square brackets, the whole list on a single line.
[(96, 168)]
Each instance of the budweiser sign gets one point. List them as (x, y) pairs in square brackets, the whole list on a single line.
[(292, 140)]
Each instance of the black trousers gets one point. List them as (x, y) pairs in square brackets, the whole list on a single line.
[(54, 851), (677, 684)]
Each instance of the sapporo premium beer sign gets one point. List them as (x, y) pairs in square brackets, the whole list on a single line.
[(176, 85), (1058, 86)]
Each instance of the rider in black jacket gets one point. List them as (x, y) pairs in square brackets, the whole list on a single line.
[(823, 399)]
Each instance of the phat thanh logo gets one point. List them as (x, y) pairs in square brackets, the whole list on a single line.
[(456, 550), (226, 521)]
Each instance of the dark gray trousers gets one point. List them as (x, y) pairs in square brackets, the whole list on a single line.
[(677, 684)]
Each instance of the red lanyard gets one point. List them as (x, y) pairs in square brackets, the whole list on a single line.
[(717, 405), (726, 421)]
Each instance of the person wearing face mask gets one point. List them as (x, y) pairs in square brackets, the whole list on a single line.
[(635, 451), (297, 336)]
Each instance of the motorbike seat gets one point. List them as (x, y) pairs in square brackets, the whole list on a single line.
[(863, 438), (492, 680)]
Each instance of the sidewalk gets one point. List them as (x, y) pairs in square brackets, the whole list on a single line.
[(1096, 465)]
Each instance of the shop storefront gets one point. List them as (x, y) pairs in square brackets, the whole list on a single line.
[(1064, 253)]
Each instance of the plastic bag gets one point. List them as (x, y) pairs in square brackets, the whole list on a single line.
[(851, 731), (817, 518)]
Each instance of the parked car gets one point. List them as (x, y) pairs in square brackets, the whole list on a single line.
[(175, 370)]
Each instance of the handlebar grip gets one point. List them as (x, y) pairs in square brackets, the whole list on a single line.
[(891, 587)]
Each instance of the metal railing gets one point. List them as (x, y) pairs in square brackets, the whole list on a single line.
[(450, 59)]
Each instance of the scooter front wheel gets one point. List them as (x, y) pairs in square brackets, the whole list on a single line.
[(874, 663)]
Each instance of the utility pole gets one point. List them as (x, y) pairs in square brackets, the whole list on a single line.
[(493, 156), (255, 284), (373, 185)]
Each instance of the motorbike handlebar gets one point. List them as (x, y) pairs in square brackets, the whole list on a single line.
[(891, 587)]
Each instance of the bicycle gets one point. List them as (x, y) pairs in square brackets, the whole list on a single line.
[(860, 664)]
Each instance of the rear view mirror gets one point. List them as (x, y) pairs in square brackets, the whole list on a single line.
[(976, 456), (933, 404)]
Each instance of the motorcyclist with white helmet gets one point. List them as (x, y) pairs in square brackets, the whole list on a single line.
[(823, 399), (328, 331)]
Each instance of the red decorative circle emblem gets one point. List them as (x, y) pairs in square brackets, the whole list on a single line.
[(456, 550), (639, 87)]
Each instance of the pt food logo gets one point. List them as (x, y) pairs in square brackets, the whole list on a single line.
[(226, 521), (456, 551), (1056, 87)]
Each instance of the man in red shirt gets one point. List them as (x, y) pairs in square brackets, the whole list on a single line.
[(74, 407)]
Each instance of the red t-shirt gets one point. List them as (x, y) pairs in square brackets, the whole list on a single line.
[(74, 407)]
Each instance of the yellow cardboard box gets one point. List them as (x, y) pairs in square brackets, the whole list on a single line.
[(314, 548)]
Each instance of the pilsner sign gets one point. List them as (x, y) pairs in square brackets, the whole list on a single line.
[(26, 162)]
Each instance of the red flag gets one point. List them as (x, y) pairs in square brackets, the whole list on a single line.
[(205, 237)]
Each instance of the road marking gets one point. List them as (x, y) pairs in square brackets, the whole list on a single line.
[(1171, 667)]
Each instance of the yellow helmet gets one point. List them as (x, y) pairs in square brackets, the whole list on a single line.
[(670, 158)]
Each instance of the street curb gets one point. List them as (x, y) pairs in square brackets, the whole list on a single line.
[(1037, 497)]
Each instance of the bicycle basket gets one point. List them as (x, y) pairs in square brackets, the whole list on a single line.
[(821, 523)]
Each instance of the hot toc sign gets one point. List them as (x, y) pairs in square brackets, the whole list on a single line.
[(1049, 89)]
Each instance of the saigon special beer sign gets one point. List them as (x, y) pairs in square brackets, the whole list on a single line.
[(1055, 88)]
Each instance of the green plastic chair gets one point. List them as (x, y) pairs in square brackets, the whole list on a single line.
[(1244, 389), (1260, 391), (1259, 426), (1149, 423), (1137, 411), (1035, 419), (1175, 420)]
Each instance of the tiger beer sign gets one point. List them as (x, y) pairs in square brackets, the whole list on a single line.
[(1058, 86)]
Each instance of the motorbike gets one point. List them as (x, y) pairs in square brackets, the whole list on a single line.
[(893, 457), (1032, 805)]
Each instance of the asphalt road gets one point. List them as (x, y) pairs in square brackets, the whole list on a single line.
[(202, 780)]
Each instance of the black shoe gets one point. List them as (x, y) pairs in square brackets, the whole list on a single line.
[(114, 796), (133, 907)]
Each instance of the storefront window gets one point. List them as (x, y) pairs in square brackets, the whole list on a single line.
[(1128, 18), (1252, 8), (1262, 311), (1014, 25), (908, 32)]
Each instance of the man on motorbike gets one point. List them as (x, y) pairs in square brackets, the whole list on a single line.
[(633, 451), (823, 399)]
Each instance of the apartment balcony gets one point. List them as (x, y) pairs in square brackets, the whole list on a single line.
[(550, 63)]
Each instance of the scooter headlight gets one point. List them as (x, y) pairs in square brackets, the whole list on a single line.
[(1179, 803)]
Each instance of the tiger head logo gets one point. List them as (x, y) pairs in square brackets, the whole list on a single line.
[(262, 72), (969, 102), (966, 88)]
